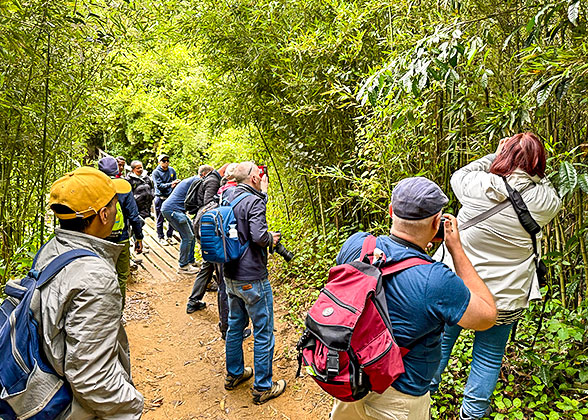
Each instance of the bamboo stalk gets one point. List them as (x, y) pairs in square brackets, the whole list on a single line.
[(562, 283), (580, 209)]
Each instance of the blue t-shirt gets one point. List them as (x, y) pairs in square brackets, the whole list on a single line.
[(175, 202), (421, 300)]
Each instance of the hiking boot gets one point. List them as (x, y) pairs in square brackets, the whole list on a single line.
[(187, 269), (277, 389), (232, 381), (193, 307)]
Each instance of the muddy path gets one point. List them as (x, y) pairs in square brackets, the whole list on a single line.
[(178, 360)]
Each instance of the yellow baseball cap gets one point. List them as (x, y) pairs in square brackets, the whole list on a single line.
[(85, 191)]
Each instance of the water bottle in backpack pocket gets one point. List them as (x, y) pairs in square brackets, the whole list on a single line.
[(29, 387)]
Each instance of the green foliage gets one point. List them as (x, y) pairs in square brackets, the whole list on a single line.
[(342, 100), (546, 381)]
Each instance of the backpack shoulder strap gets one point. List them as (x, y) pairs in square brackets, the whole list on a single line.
[(368, 247), (59, 262), (239, 198), (37, 255), (403, 265)]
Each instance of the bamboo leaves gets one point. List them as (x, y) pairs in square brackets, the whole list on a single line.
[(568, 178)]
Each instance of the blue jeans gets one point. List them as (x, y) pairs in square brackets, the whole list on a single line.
[(251, 299), (180, 222), (159, 219), (487, 356)]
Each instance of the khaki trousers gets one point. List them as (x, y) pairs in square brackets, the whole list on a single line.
[(391, 405)]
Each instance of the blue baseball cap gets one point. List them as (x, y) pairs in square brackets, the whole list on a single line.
[(108, 165), (417, 198)]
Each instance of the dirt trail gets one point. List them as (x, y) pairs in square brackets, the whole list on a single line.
[(178, 359)]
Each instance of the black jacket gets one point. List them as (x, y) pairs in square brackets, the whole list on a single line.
[(143, 192), (209, 188), (252, 226)]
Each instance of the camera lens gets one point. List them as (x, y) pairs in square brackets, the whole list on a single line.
[(281, 249)]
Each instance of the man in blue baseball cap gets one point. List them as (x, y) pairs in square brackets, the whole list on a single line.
[(420, 299)]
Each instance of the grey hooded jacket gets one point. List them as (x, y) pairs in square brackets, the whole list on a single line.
[(82, 334)]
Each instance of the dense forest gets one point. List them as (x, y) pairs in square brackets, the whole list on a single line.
[(341, 99)]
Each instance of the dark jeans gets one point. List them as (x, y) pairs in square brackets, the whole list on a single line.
[(199, 288), (159, 218)]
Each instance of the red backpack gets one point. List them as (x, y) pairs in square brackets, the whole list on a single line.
[(348, 346)]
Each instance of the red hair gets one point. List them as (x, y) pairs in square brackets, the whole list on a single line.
[(522, 151)]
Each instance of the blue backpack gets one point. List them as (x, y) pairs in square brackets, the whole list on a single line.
[(29, 387), (219, 240)]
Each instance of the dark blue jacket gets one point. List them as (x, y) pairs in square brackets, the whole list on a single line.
[(252, 226), (175, 202), (128, 205), (421, 300), (163, 180)]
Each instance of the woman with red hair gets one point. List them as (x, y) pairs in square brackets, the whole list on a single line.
[(501, 251)]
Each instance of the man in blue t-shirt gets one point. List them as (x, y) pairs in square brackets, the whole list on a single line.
[(174, 212), (421, 299)]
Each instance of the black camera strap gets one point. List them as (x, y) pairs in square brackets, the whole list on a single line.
[(492, 211), (524, 216)]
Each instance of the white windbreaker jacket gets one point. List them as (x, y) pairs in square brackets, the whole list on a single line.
[(499, 247)]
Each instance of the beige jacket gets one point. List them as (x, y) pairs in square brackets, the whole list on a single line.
[(499, 247), (82, 333)]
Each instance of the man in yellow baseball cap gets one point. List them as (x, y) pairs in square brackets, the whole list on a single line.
[(81, 306), (80, 196)]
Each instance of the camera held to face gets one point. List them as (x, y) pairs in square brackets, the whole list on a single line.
[(281, 250), (440, 235)]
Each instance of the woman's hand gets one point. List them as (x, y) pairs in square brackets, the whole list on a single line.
[(501, 144)]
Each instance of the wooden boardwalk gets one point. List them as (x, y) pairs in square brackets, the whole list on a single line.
[(161, 261)]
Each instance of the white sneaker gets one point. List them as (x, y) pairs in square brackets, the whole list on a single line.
[(163, 242), (188, 269)]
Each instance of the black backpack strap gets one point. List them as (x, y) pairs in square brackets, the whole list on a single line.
[(57, 264)]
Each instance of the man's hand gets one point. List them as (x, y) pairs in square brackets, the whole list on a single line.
[(276, 237), (264, 183), (175, 182), (501, 144), (138, 246), (452, 239)]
